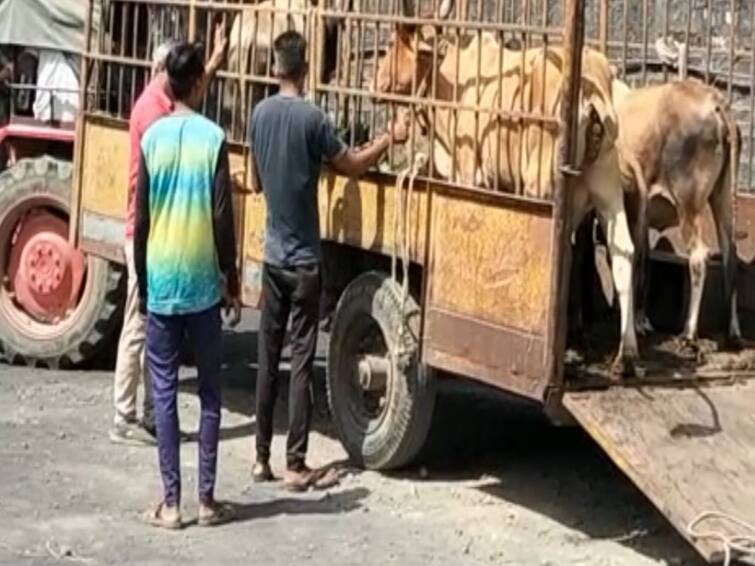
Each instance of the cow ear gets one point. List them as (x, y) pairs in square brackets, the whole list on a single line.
[(594, 132)]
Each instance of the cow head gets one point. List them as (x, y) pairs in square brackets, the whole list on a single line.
[(598, 121), (405, 63), (409, 58)]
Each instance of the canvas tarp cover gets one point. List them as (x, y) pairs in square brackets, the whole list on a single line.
[(45, 24)]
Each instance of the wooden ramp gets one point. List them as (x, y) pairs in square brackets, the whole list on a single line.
[(690, 449)]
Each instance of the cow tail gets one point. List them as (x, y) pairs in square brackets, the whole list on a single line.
[(735, 148), (730, 262), (733, 135)]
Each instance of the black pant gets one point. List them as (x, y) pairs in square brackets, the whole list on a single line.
[(294, 291)]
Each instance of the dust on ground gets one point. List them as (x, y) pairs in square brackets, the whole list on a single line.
[(497, 485)]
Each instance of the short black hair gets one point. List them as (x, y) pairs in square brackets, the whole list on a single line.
[(290, 55), (185, 67)]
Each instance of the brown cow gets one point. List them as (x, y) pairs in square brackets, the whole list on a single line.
[(679, 141), (500, 152)]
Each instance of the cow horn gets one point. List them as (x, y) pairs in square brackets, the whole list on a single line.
[(445, 9)]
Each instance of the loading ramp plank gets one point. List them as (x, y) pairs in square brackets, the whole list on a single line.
[(690, 449)]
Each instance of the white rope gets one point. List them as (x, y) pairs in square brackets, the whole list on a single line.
[(740, 545), (402, 236)]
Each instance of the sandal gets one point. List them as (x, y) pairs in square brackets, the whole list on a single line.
[(305, 478), (214, 514), (156, 517)]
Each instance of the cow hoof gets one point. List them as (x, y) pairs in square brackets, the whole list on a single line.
[(573, 357), (625, 367), (701, 358), (734, 343), (687, 348), (643, 326)]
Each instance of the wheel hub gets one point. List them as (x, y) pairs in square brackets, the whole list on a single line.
[(45, 272), (373, 372)]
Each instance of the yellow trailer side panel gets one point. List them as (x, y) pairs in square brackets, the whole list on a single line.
[(104, 186), (359, 213), (489, 282)]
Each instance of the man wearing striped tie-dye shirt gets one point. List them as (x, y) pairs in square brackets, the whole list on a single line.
[(184, 247)]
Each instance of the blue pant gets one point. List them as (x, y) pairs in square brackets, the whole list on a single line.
[(164, 334)]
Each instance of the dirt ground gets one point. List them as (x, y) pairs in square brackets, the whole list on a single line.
[(497, 485)]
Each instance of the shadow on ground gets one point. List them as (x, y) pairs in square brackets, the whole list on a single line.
[(559, 472), (515, 453), (331, 503)]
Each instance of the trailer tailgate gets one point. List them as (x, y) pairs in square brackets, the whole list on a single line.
[(690, 449)]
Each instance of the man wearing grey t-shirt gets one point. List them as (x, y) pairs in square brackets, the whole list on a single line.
[(290, 138)]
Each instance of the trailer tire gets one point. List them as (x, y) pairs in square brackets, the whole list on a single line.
[(43, 186), (380, 427)]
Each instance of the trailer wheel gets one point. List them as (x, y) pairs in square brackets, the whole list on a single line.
[(57, 306), (381, 397)]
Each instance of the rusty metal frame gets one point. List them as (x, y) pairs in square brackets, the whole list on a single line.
[(561, 255), (351, 100), (79, 146), (356, 103)]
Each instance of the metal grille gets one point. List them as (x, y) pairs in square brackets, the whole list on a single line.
[(649, 41), (655, 41), (448, 121), (349, 39)]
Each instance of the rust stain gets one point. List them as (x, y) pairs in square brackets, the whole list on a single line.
[(105, 170), (491, 263), (361, 213)]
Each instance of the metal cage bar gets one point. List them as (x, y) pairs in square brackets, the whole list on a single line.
[(624, 30)]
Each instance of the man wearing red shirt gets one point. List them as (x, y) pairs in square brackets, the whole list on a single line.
[(155, 102)]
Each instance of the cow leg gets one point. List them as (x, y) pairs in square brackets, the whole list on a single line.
[(616, 228), (721, 206), (698, 257), (576, 305), (604, 183), (582, 237), (641, 266)]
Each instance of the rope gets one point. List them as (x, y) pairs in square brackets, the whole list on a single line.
[(402, 238), (740, 545), (672, 53)]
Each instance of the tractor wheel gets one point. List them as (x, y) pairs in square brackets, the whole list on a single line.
[(57, 306), (381, 397)]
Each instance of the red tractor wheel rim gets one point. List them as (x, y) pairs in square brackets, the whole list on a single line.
[(46, 274)]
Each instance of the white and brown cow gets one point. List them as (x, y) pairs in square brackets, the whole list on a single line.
[(255, 28), (500, 152), (679, 142)]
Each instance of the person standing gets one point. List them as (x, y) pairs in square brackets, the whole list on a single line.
[(290, 138), (155, 102), (185, 260)]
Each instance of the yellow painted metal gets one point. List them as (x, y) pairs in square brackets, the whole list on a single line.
[(491, 263), (104, 171)]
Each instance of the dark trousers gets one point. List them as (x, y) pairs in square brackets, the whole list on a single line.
[(164, 334), (294, 292)]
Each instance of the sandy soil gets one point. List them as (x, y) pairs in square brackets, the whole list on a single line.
[(497, 485)]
